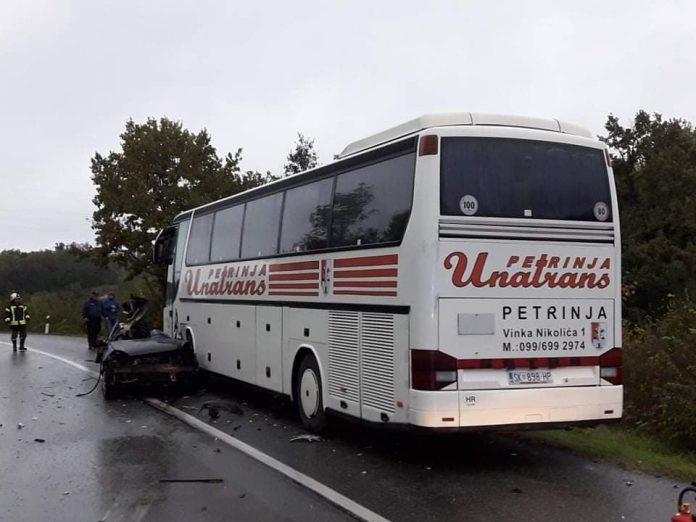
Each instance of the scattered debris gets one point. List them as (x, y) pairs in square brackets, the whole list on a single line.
[(629, 483), (34, 418), (214, 408), (202, 481), (48, 394), (66, 492), (516, 490), (428, 468), (307, 438), (236, 427), (128, 421), (217, 450), (39, 440), (20, 425), (363, 472), (242, 495)]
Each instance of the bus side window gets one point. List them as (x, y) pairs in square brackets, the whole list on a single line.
[(198, 251), (372, 203), (306, 217), (179, 251), (261, 223), (227, 234)]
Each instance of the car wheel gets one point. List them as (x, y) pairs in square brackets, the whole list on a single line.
[(109, 389), (309, 396)]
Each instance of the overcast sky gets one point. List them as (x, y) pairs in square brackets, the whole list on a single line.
[(255, 73)]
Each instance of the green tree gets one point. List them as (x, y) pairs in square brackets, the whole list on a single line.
[(654, 164), (161, 170), (302, 157), (56, 283)]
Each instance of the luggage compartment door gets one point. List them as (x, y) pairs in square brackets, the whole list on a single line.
[(269, 347)]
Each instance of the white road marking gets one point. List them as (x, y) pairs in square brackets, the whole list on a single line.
[(317, 487), (332, 495), (61, 359)]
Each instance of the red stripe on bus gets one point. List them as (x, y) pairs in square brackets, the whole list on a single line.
[(365, 292), (368, 284), (392, 259), (290, 294), (300, 276), (532, 363), (287, 267), (279, 286), (377, 272)]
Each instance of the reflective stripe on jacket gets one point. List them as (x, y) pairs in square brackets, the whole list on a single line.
[(16, 315)]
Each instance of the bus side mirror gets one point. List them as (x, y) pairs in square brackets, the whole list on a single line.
[(163, 252)]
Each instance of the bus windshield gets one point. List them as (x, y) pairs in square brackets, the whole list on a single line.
[(513, 178)]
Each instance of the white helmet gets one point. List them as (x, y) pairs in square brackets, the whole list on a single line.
[(13, 296)]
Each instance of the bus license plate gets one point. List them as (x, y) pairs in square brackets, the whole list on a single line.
[(516, 377)]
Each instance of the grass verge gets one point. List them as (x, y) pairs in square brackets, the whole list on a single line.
[(628, 449)]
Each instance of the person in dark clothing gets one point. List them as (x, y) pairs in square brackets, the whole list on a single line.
[(111, 308), (92, 315), (16, 317)]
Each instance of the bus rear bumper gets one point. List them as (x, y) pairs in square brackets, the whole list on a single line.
[(524, 407)]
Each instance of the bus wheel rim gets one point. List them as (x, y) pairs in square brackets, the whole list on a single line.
[(309, 393)]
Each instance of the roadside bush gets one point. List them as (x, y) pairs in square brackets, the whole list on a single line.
[(660, 374)]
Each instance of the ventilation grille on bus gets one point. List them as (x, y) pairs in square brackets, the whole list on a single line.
[(377, 361), (361, 358), (343, 355), (521, 229)]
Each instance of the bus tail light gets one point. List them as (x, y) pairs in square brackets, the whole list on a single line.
[(427, 145), (432, 370), (611, 366)]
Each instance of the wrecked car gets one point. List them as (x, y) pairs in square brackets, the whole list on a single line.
[(138, 359)]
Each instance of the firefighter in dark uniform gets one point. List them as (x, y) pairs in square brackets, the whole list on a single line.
[(16, 317)]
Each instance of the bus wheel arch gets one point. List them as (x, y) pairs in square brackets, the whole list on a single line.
[(189, 338), (308, 390)]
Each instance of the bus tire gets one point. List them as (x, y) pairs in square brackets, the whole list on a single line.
[(309, 395)]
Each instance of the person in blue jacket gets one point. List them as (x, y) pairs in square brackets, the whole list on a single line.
[(110, 309), (92, 315)]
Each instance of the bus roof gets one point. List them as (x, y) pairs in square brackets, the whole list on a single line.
[(462, 118), (418, 124)]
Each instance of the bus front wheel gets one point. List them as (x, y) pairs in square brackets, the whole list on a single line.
[(309, 396)]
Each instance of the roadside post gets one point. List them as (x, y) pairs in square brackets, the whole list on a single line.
[(47, 327)]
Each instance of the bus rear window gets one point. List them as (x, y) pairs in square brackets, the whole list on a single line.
[(500, 177)]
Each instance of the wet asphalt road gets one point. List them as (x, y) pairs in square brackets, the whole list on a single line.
[(104, 461), (113, 466)]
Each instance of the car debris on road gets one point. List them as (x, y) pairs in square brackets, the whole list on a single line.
[(214, 408), (202, 481), (307, 438)]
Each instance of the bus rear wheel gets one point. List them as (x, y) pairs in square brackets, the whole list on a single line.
[(309, 396)]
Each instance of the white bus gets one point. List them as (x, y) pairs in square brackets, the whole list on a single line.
[(457, 271)]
